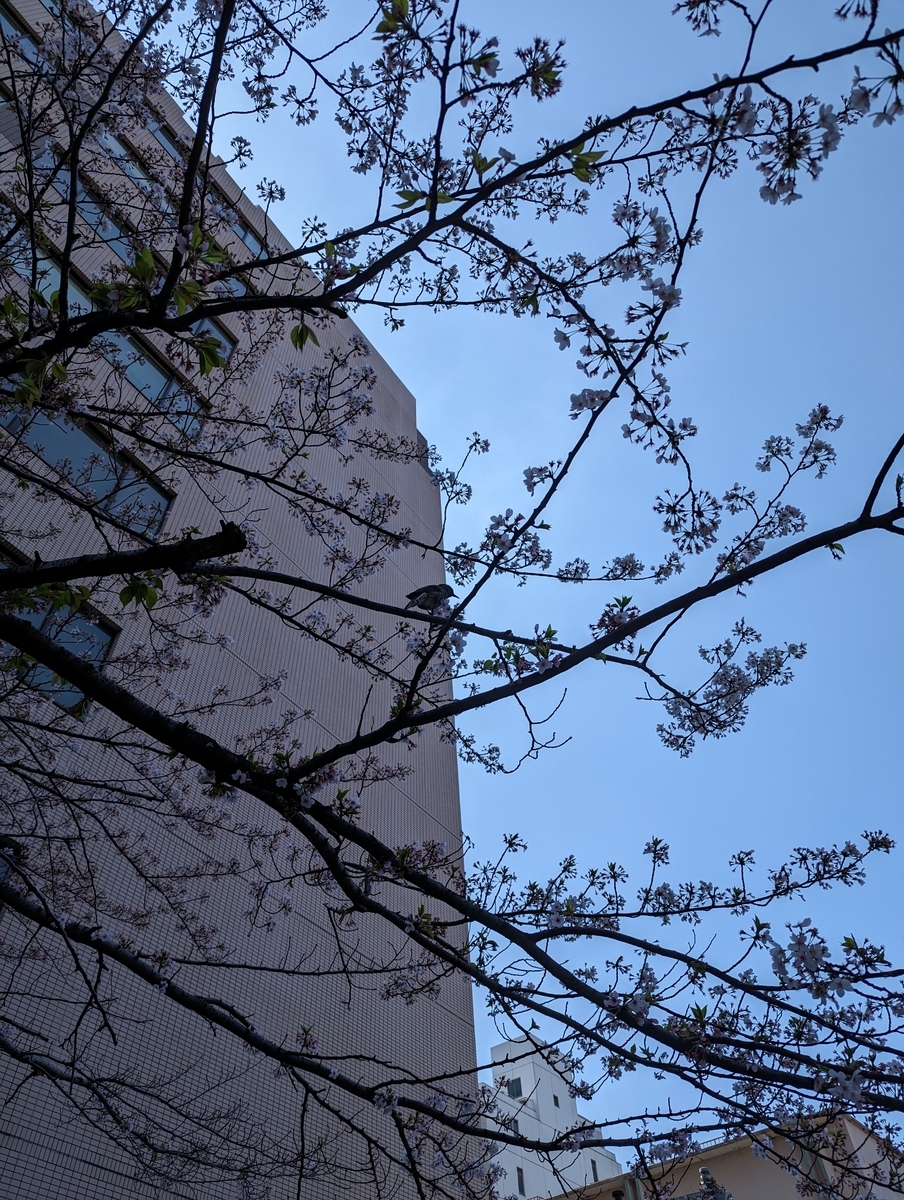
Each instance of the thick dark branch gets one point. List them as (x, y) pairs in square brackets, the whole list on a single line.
[(170, 556), (883, 475), (181, 737)]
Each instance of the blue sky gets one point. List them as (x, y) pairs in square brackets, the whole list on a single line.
[(783, 308)]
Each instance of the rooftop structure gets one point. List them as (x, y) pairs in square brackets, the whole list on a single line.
[(538, 1103)]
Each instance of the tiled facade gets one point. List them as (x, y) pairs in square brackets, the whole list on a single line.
[(46, 1151)]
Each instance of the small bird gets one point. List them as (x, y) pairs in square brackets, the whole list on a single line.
[(430, 597)]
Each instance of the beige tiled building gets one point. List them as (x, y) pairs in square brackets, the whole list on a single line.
[(47, 1150), (740, 1174)]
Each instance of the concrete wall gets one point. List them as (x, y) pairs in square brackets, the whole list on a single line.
[(540, 1117)]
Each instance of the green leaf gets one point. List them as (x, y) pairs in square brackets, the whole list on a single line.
[(301, 334), (409, 197), (214, 254), (186, 295), (141, 591), (481, 164), (144, 269), (209, 355)]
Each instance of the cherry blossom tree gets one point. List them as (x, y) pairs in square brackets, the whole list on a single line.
[(131, 807)]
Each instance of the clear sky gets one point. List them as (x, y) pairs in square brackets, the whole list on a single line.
[(783, 308)]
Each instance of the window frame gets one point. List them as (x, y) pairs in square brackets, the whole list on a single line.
[(87, 195), (130, 343), (134, 472), (166, 137), (40, 618), (12, 25), (132, 166)]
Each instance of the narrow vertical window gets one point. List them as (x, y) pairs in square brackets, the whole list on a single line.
[(167, 140), (593, 1171), (522, 1191)]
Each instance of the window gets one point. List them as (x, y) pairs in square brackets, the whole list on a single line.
[(129, 164), (94, 466), (167, 140), (81, 634), (522, 1191), (232, 285), (239, 225), (207, 327), (143, 369), (14, 35), (152, 377), (515, 1128), (593, 1171), (78, 634), (49, 282), (90, 209), (244, 231), (555, 1100), (514, 1088)]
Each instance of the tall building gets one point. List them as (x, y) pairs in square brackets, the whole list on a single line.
[(537, 1103), (154, 875)]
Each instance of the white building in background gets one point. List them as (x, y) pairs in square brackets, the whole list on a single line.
[(538, 1100)]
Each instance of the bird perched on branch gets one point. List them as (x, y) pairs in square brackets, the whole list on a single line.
[(429, 598)]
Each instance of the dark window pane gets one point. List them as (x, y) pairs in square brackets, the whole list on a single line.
[(145, 374), (161, 386), (92, 213), (89, 207), (148, 374), (248, 236), (130, 166), (95, 468), (514, 1088), (49, 282), (80, 635), (233, 285), (138, 503), (167, 140), (15, 37), (206, 327)]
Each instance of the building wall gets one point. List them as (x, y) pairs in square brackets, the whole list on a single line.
[(743, 1175), (543, 1108), (47, 1153)]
